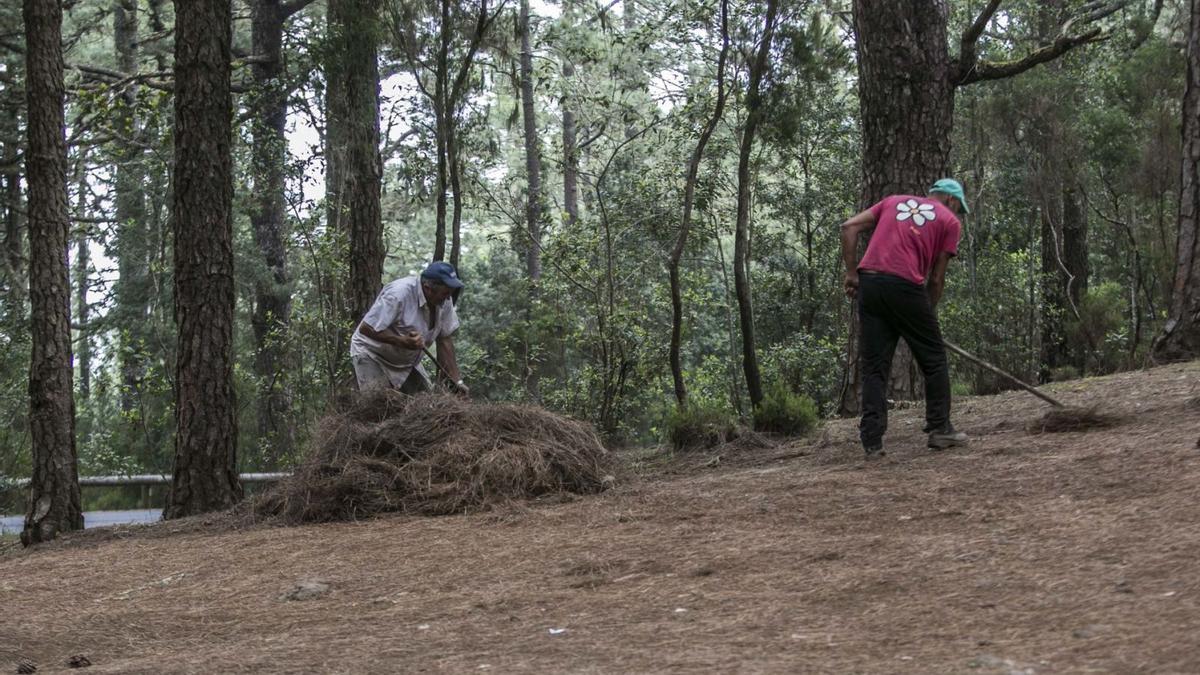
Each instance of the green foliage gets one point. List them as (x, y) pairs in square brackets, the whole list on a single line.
[(808, 365), (1102, 328), (783, 411), (700, 425)]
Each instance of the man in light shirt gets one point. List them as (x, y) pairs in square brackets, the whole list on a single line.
[(409, 314)]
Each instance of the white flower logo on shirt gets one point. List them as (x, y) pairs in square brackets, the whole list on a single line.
[(920, 213)]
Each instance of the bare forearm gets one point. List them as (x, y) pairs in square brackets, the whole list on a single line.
[(850, 248), (935, 288), (447, 358)]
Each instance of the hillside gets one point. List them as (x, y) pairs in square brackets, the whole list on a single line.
[(1023, 553)]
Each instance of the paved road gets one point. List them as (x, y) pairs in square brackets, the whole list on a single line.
[(13, 524)]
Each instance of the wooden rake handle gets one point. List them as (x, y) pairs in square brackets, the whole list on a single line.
[(1011, 378)]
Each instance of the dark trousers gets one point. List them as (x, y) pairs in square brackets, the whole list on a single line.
[(890, 308)]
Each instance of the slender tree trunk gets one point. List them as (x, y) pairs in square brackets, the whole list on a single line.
[(272, 293), (205, 477), (1180, 337), (355, 174), (54, 502), (570, 129), (689, 198), (455, 163), (533, 158), (13, 254), (533, 198), (741, 249), (441, 113), (82, 260), (133, 264)]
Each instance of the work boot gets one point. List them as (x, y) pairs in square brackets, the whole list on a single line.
[(947, 437), (874, 451)]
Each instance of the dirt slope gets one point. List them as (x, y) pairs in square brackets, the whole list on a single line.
[(1022, 554)]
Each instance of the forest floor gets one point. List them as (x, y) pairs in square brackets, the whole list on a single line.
[(1023, 553)]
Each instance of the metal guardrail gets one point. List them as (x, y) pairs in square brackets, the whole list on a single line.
[(143, 479)]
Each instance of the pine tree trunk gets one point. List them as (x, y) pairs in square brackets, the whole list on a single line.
[(533, 158), (455, 166), (741, 248), (205, 476), (906, 99), (441, 113), (533, 197), (272, 294), (355, 167), (54, 502), (1180, 338), (82, 260), (133, 263), (12, 257)]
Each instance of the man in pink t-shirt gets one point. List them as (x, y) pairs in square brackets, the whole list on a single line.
[(897, 284)]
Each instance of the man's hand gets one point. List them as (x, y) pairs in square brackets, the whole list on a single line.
[(412, 341), (463, 389), (851, 284)]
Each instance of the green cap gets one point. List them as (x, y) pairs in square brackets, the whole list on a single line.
[(951, 187)]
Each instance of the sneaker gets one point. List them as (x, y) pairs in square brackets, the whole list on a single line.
[(947, 438)]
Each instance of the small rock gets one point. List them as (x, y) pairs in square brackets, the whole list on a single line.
[(26, 667), (1085, 633), (78, 661), (1123, 587), (306, 590)]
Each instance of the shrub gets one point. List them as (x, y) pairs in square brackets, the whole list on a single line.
[(784, 411), (700, 425)]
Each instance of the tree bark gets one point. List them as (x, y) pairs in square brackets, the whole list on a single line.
[(355, 167), (205, 476), (906, 99), (533, 199), (1180, 337), (82, 261), (54, 501), (685, 223), (570, 124), (741, 248), (533, 158), (441, 114), (272, 293)]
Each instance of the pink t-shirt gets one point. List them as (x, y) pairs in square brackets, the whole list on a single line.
[(909, 234)]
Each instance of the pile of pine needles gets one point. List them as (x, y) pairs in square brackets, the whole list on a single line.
[(1069, 418), (435, 454)]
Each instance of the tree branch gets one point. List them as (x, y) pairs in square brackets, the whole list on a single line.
[(970, 37), (987, 70)]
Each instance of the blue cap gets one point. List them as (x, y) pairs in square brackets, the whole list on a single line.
[(443, 273), (951, 187)]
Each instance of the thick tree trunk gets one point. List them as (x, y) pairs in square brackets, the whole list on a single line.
[(741, 248), (205, 477), (1180, 338), (355, 167), (54, 503), (272, 293), (685, 223), (906, 98)]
